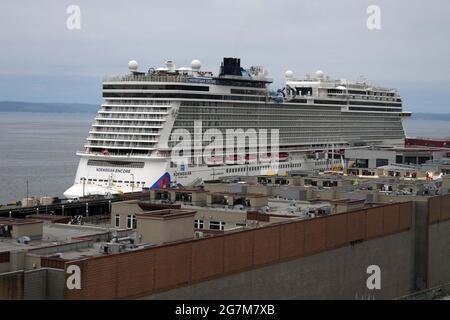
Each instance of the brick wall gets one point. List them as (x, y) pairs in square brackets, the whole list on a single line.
[(161, 268), (439, 209)]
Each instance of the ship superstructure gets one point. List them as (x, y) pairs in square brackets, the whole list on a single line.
[(130, 144)]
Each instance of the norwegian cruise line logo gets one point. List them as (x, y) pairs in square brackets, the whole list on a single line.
[(163, 182)]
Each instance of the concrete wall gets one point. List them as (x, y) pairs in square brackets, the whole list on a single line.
[(439, 253), (44, 284), (155, 269), (335, 274), (158, 230), (32, 230)]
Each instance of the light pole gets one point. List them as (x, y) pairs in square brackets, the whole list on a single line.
[(132, 182), (27, 193)]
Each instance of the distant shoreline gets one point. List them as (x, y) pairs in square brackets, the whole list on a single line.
[(43, 107)]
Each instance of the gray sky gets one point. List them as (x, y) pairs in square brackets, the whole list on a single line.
[(42, 60)]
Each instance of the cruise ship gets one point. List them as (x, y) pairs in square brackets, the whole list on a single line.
[(130, 146)]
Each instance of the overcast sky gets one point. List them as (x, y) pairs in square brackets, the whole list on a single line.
[(42, 60)]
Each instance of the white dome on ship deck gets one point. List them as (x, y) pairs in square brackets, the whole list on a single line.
[(196, 64), (133, 65), (319, 73), (289, 74)]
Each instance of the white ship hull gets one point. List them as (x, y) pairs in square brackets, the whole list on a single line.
[(115, 180), (130, 143)]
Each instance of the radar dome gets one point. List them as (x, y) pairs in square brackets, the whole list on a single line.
[(133, 65), (196, 64), (319, 73), (289, 74)]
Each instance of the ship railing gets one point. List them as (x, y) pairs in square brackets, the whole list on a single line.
[(135, 102), (146, 77), (114, 154)]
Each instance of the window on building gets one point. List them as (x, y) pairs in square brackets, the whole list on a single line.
[(381, 162), (117, 220), (131, 221), (216, 225), (199, 224)]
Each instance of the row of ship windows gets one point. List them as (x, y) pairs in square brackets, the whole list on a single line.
[(358, 103), (129, 123), (129, 116), (116, 181), (235, 97), (286, 126), (122, 130), (327, 117), (120, 144), (179, 96), (363, 92), (265, 167), (252, 109), (256, 110), (133, 109), (121, 102), (122, 164), (155, 87), (304, 118), (269, 107), (303, 132), (179, 87)]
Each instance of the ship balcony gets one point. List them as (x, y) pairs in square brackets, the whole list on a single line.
[(114, 155), (405, 114), (130, 139), (125, 133), (132, 116), (128, 111), (136, 103), (120, 145), (144, 118), (128, 125)]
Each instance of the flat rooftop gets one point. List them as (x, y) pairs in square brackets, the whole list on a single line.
[(53, 234)]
